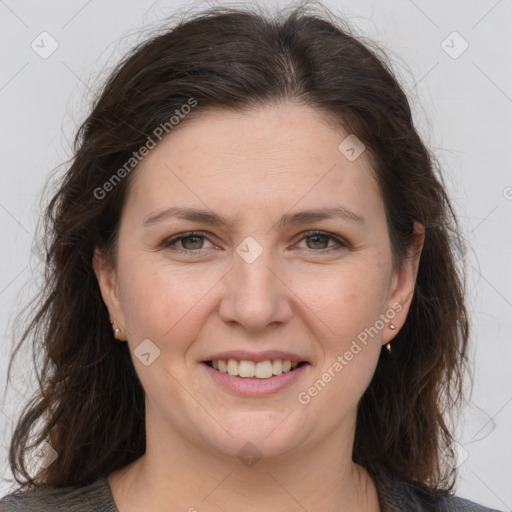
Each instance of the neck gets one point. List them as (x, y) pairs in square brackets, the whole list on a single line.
[(181, 475)]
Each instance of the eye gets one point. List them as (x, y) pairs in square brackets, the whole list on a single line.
[(193, 242), (190, 242), (320, 241)]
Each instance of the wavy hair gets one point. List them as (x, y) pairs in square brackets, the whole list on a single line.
[(90, 402)]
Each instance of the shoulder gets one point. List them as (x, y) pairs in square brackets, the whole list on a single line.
[(420, 501), (91, 497), (456, 504), (398, 495)]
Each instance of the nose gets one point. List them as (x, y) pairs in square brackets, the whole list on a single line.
[(255, 294)]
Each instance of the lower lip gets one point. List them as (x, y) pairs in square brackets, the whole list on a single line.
[(252, 386)]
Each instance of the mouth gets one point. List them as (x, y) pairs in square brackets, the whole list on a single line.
[(245, 369), (255, 378)]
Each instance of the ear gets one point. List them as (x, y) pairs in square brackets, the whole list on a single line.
[(107, 280), (403, 284)]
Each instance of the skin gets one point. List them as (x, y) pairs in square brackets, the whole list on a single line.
[(252, 168)]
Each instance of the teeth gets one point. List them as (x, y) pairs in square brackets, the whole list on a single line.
[(232, 367), (261, 370), (277, 367)]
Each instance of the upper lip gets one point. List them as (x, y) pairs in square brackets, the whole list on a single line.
[(257, 357)]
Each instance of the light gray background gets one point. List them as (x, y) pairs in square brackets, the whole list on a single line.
[(462, 106)]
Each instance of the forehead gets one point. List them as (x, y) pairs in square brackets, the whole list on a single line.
[(273, 156)]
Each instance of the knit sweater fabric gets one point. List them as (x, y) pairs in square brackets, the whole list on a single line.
[(394, 496)]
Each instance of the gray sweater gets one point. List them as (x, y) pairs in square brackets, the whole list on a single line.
[(394, 496)]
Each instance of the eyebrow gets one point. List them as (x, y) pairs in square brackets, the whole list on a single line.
[(213, 219)]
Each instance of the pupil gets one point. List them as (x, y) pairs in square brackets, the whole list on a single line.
[(192, 238), (317, 237)]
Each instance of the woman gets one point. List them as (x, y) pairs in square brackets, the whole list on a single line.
[(252, 297)]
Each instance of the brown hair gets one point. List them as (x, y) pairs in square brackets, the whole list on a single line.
[(90, 398)]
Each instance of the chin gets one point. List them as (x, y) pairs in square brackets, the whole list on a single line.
[(257, 435)]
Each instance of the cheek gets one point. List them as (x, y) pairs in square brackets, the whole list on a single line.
[(337, 387), (160, 301), (346, 314), (345, 301)]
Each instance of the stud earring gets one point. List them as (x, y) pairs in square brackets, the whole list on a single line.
[(388, 346), (116, 331)]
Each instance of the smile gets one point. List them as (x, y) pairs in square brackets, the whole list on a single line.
[(260, 370), (253, 379)]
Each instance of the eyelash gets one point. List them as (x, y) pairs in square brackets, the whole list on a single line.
[(171, 241)]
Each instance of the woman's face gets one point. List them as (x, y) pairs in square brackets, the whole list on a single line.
[(253, 283)]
